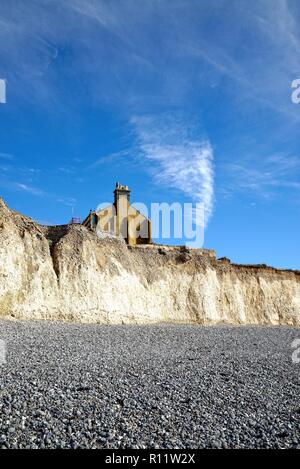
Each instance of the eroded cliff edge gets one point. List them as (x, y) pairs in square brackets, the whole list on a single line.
[(78, 277)]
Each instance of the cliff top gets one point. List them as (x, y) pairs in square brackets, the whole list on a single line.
[(160, 254)]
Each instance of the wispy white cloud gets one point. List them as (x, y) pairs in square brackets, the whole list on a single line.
[(280, 26), (30, 189), (177, 160), (112, 159), (264, 177), (255, 46), (105, 14), (7, 183)]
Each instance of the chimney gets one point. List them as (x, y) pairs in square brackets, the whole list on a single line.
[(121, 203), (121, 193)]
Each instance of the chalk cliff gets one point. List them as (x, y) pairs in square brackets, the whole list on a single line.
[(70, 274)]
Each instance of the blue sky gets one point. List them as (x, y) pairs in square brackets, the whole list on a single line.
[(183, 100)]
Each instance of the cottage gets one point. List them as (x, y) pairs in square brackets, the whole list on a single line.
[(121, 219)]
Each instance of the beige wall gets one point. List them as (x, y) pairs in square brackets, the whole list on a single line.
[(138, 227), (128, 222), (106, 219)]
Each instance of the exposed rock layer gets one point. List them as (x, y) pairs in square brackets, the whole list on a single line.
[(79, 277)]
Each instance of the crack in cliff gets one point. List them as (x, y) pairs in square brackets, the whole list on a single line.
[(54, 235), (55, 262)]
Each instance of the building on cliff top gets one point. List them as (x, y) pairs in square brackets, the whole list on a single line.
[(121, 219)]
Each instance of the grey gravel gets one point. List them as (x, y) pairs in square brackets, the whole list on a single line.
[(162, 386)]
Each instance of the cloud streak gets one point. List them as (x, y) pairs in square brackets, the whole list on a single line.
[(265, 177), (124, 31), (30, 189), (177, 161)]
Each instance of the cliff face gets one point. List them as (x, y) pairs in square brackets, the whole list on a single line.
[(77, 277)]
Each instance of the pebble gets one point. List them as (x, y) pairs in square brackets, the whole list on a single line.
[(158, 386)]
